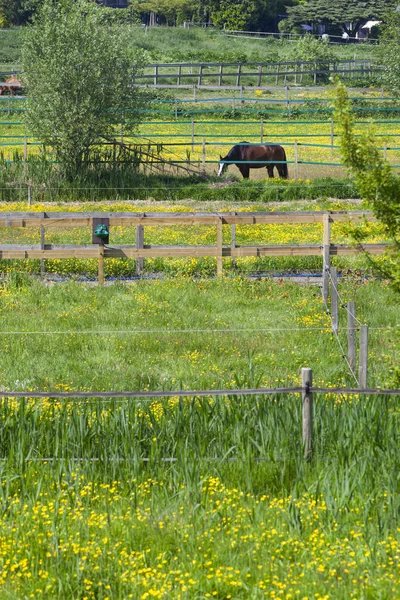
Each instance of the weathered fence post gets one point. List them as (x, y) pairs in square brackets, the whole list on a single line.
[(25, 157), (363, 366), (139, 246), (233, 242), (29, 189), (195, 93), (306, 384), (334, 301), (351, 334), (262, 131), (287, 97), (101, 264), (203, 155), (326, 257), (42, 247), (219, 247), (156, 75), (296, 160)]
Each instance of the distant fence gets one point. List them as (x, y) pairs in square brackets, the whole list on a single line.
[(294, 37), (252, 74), (43, 220)]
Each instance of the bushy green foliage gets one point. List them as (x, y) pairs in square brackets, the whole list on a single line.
[(79, 72), (374, 178), (388, 53)]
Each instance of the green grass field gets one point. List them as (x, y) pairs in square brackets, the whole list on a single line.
[(239, 513)]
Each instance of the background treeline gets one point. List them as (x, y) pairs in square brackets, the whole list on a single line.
[(256, 15)]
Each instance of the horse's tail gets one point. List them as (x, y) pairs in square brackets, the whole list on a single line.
[(285, 169)]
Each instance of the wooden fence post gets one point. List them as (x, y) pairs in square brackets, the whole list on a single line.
[(155, 75), (233, 242), (139, 246), (25, 157), (192, 135), (101, 264), (296, 160), (351, 334), (287, 97), (219, 247), (326, 257), (363, 366), (334, 301), (29, 188), (42, 247), (306, 383), (203, 155), (262, 131), (194, 93)]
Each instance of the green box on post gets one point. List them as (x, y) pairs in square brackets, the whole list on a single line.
[(100, 230)]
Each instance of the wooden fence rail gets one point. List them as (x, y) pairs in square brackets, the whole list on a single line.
[(139, 250), (252, 75)]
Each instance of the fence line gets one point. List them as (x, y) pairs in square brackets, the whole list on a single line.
[(199, 72), (345, 391), (101, 249)]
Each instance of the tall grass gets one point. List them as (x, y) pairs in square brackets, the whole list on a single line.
[(92, 506)]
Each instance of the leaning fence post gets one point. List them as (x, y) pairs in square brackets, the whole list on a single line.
[(334, 301), (351, 334), (139, 246), (326, 257), (363, 366), (306, 384)]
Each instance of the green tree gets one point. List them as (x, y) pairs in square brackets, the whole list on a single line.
[(388, 52), (79, 74), (349, 15), (377, 184)]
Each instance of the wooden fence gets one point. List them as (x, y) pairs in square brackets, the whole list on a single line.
[(251, 75), (140, 250)]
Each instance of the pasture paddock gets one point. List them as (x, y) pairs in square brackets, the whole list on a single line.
[(91, 518)]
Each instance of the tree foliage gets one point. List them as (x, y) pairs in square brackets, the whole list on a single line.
[(377, 184), (388, 53), (340, 12), (79, 75)]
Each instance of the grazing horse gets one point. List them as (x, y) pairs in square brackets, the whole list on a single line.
[(257, 155)]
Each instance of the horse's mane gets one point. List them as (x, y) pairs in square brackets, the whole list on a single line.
[(235, 153)]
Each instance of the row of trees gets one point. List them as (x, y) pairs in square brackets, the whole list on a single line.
[(263, 15)]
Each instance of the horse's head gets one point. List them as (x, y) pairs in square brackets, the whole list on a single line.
[(222, 166)]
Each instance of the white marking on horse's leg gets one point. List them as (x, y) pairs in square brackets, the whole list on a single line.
[(221, 167)]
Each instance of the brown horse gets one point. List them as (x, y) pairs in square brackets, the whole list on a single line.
[(247, 156)]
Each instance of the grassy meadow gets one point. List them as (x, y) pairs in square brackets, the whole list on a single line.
[(237, 513), (176, 44), (209, 497)]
